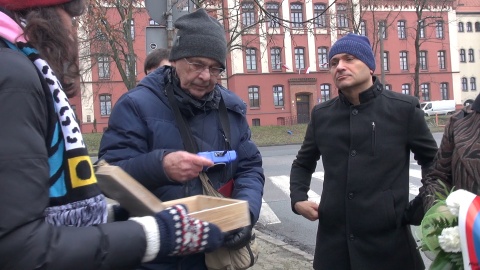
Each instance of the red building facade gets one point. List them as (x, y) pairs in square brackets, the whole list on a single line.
[(279, 65)]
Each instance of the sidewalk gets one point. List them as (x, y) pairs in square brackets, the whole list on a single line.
[(276, 254)]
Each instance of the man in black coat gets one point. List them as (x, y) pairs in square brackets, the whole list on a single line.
[(364, 136)]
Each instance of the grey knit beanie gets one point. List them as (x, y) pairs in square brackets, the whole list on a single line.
[(199, 35), (355, 45)]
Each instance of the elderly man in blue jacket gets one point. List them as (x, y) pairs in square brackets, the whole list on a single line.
[(144, 139)]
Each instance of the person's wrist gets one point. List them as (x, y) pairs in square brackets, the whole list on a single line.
[(152, 236)]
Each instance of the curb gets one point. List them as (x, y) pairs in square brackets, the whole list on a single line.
[(290, 248)]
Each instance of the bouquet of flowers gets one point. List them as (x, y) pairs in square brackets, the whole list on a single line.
[(450, 232)]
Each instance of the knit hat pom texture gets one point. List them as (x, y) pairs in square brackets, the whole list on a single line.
[(356, 45), (199, 35)]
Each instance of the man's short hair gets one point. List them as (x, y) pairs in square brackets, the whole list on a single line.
[(154, 58)]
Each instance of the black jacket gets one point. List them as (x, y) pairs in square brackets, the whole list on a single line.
[(365, 152), (26, 240)]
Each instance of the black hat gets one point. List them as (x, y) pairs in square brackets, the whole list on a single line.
[(199, 35)]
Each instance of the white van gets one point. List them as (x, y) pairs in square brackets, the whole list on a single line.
[(438, 107)]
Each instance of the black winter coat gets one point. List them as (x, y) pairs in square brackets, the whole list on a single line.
[(365, 152), (26, 240)]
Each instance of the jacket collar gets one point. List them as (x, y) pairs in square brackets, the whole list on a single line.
[(367, 95)]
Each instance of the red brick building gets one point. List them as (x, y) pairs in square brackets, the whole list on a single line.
[(279, 66)]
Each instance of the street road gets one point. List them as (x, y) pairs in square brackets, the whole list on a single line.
[(276, 217)]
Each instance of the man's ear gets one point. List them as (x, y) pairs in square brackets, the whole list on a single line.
[(371, 72)]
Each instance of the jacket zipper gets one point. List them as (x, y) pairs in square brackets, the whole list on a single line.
[(373, 139)]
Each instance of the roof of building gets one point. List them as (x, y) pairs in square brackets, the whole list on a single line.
[(468, 6)]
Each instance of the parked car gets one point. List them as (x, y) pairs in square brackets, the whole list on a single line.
[(438, 107)]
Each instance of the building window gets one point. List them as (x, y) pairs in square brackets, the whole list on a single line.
[(280, 121), (388, 87), (275, 58), (320, 18), (103, 67), (342, 17), (406, 89), (477, 27), (402, 30), (463, 57), (278, 95), (248, 14), (273, 15), (422, 29), (251, 58), (386, 64), (460, 27), (151, 22), (105, 104), (325, 92), (425, 87), (132, 29), (296, 15), (404, 60), (471, 55), (363, 28), (323, 57), (469, 27), (89, 118), (464, 84), (132, 60), (256, 122), (439, 29), (441, 59), (444, 90), (254, 96), (382, 29), (423, 60), (299, 58), (99, 35), (473, 84)]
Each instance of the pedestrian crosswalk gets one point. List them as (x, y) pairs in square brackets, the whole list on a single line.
[(282, 182)]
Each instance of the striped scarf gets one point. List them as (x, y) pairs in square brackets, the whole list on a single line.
[(75, 198)]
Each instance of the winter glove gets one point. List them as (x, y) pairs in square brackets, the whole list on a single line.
[(414, 212), (183, 235), (177, 234), (238, 238)]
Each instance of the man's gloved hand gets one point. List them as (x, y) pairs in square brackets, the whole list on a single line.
[(183, 235), (414, 213), (238, 238)]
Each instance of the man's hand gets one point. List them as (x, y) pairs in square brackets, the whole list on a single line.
[(307, 209), (183, 166)]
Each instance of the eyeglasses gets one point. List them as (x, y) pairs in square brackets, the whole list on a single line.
[(199, 68)]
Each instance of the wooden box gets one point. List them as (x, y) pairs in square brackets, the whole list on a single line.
[(227, 214), (116, 184)]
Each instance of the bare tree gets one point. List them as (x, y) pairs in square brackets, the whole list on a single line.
[(429, 13), (112, 38)]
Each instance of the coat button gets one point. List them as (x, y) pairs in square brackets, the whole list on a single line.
[(350, 195), (354, 111), (353, 153), (351, 237)]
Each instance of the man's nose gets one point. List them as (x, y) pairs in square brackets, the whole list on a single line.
[(205, 74)]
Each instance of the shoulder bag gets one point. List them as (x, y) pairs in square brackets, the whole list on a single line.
[(222, 258)]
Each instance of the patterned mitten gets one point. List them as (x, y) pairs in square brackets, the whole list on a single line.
[(183, 235)]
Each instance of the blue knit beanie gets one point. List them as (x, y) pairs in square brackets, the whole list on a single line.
[(355, 45), (199, 35)]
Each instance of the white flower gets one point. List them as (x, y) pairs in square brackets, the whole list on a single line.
[(449, 240), (456, 198)]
